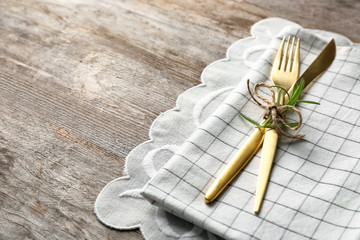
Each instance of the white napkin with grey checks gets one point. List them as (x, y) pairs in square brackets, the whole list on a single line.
[(314, 189)]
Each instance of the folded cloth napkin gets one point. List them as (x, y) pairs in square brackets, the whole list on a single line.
[(314, 189)]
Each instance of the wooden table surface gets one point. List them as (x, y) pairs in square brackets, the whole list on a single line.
[(81, 82)]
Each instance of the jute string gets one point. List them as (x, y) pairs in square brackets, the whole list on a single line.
[(276, 111)]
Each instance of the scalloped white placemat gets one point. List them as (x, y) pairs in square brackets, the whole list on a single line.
[(120, 204)]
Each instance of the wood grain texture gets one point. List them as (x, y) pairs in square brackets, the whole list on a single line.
[(81, 82)]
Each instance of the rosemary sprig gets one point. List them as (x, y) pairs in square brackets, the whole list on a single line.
[(249, 119), (293, 100)]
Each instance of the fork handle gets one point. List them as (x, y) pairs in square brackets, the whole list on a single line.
[(237, 163), (267, 158)]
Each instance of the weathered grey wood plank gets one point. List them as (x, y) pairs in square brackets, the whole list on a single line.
[(82, 81)]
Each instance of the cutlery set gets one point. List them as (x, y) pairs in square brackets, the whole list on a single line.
[(284, 74)]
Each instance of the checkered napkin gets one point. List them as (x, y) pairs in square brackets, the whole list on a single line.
[(314, 189)]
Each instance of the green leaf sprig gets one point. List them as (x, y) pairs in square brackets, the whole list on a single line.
[(293, 100)]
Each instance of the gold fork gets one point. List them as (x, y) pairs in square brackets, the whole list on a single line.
[(284, 73)]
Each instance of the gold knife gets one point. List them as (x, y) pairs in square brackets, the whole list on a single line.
[(248, 150)]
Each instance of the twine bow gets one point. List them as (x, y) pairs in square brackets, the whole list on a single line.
[(275, 111)]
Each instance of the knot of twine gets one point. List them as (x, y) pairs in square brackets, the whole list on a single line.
[(276, 111)]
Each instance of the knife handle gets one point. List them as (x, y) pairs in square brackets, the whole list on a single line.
[(237, 163), (267, 158)]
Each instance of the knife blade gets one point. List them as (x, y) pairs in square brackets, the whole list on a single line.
[(252, 145), (320, 64)]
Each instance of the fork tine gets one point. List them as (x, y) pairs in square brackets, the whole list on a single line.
[(288, 65), (295, 67), (277, 61), (283, 63)]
